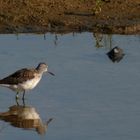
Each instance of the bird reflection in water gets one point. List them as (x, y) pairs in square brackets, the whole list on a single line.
[(25, 117)]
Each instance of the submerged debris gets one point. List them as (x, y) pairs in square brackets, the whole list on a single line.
[(116, 54)]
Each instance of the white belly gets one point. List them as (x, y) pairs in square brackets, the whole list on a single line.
[(30, 84)]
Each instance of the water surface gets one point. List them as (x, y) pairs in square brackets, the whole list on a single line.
[(89, 98)]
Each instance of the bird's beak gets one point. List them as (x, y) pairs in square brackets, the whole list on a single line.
[(51, 73)]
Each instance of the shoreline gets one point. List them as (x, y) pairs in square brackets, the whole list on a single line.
[(42, 16)]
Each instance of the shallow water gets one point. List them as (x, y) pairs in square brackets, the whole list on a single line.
[(89, 98)]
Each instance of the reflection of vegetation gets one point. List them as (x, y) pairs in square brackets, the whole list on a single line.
[(103, 40), (98, 38)]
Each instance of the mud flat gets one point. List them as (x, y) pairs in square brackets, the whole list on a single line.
[(63, 16)]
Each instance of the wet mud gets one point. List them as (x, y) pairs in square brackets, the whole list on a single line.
[(63, 16)]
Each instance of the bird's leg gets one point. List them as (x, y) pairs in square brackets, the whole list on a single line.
[(23, 95), (23, 98), (17, 97), (17, 102)]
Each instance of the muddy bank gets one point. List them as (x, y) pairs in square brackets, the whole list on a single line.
[(105, 16)]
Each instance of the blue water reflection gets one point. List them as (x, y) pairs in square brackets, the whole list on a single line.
[(89, 98)]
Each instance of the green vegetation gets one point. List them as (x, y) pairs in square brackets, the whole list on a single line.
[(97, 9)]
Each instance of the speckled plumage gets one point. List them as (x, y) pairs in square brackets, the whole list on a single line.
[(19, 76)]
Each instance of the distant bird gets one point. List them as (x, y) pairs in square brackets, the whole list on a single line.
[(116, 54), (24, 79)]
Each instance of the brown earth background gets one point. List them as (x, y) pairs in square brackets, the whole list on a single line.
[(61, 16)]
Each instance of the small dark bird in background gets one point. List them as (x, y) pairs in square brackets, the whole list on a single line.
[(116, 54)]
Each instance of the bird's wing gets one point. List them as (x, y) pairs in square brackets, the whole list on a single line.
[(18, 77)]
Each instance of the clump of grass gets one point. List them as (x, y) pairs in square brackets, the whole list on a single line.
[(97, 9)]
